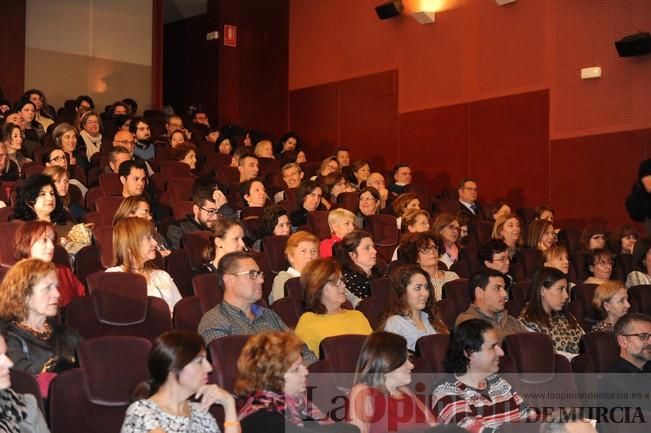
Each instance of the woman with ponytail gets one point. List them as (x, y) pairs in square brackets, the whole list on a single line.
[(178, 371)]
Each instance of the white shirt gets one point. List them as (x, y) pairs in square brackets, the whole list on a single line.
[(160, 285)]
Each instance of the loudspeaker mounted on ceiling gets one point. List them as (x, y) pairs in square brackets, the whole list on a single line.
[(634, 45)]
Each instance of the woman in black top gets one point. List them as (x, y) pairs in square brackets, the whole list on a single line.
[(358, 258)]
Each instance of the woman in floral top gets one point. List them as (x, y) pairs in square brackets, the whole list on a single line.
[(546, 312)]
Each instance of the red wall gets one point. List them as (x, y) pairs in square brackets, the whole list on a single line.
[(487, 91), (12, 49)]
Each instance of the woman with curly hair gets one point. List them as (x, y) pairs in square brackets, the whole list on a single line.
[(272, 378), (412, 311), (325, 295), (423, 249), (29, 304)]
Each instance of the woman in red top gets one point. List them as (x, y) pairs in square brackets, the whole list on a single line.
[(36, 239), (380, 400)]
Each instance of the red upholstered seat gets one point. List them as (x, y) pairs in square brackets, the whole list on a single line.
[(110, 184), (195, 243), (101, 388), (106, 206), (318, 222), (373, 309), (385, 234), (187, 314), (342, 352), (274, 250), (457, 292), (224, 353), (118, 305), (205, 288), (531, 260), (640, 299), (173, 169), (286, 309), (433, 348), (180, 189)]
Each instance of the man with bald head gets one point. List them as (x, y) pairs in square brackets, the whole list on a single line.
[(124, 139), (376, 180)]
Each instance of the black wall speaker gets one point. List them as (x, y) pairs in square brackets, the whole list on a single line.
[(634, 45), (388, 10)]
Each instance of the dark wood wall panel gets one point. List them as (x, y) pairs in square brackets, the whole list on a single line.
[(509, 148), (435, 142), (368, 113), (12, 49), (314, 115), (591, 176)]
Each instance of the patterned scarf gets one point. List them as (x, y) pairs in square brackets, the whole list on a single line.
[(12, 411), (294, 409)]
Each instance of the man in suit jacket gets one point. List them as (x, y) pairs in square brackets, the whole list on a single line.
[(468, 203)]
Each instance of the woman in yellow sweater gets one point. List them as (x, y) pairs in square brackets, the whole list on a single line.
[(325, 295)]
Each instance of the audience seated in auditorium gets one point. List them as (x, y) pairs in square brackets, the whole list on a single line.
[(204, 214), (341, 222), (275, 222), (413, 221), (29, 304), (412, 311), (494, 255), (178, 371), (334, 184), (600, 266), (176, 138), (56, 157), (369, 204), (422, 249), (253, 192), (240, 278), (488, 291), (44, 114), (507, 228), (292, 176), (264, 149), (623, 238), (468, 189), (361, 170), (541, 235), (61, 180), (404, 202), (133, 175), (141, 131), (65, 137), (91, 133), (476, 397), (611, 301), (380, 400), (301, 248), (376, 180), (556, 257), (33, 131), (309, 197), (20, 412), (401, 178), (342, 155), (186, 152), (137, 206), (633, 331), (247, 165), (134, 249), (272, 379), (36, 240), (641, 273), (223, 145), (117, 155), (12, 137), (8, 168), (226, 236), (358, 258), (325, 296), (592, 237), (446, 227), (286, 143), (546, 311)]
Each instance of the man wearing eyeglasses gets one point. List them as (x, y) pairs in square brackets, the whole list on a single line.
[(204, 214), (633, 331), (468, 204), (241, 280)]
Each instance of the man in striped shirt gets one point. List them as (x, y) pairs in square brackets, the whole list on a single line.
[(476, 398)]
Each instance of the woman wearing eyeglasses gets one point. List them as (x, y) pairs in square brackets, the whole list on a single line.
[(600, 266), (641, 273), (369, 204), (325, 295), (447, 227), (422, 249), (592, 237), (134, 249)]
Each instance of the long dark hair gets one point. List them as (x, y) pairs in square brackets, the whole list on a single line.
[(400, 278), (382, 352), (544, 279), (171, 352), (348, 245)]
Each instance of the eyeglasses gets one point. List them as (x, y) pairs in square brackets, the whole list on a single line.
[(503, 259), (363, 199), (58, 158), (126, 142), (210, 211), (428, 249), (598, 237), (643, 336), (605, 263), (253, 274)]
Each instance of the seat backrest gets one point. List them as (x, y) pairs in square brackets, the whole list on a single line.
[(381, 288), (180, 188), (342, 351), (227, 176), (349, 200), (106, 206), (206, 289), (224, 353), (7, 233), (25, 383), (181, 209), (602, 348), (286, 309), (110, 184), (457, 291), (385, 234), (187, 314), (101, 389), (274, 250), (531, 260), (172, 169), (104, 241), (433, 348), (373, 309), (640, 298), (318, 222), (195, 243)]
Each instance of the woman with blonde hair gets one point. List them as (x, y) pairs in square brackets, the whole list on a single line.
[(325, 295), (611, 300), (301, 248), (541, 235), (134, 249), (508, 229), (138, 206)]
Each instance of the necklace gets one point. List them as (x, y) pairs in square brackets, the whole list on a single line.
[(41, 335)]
